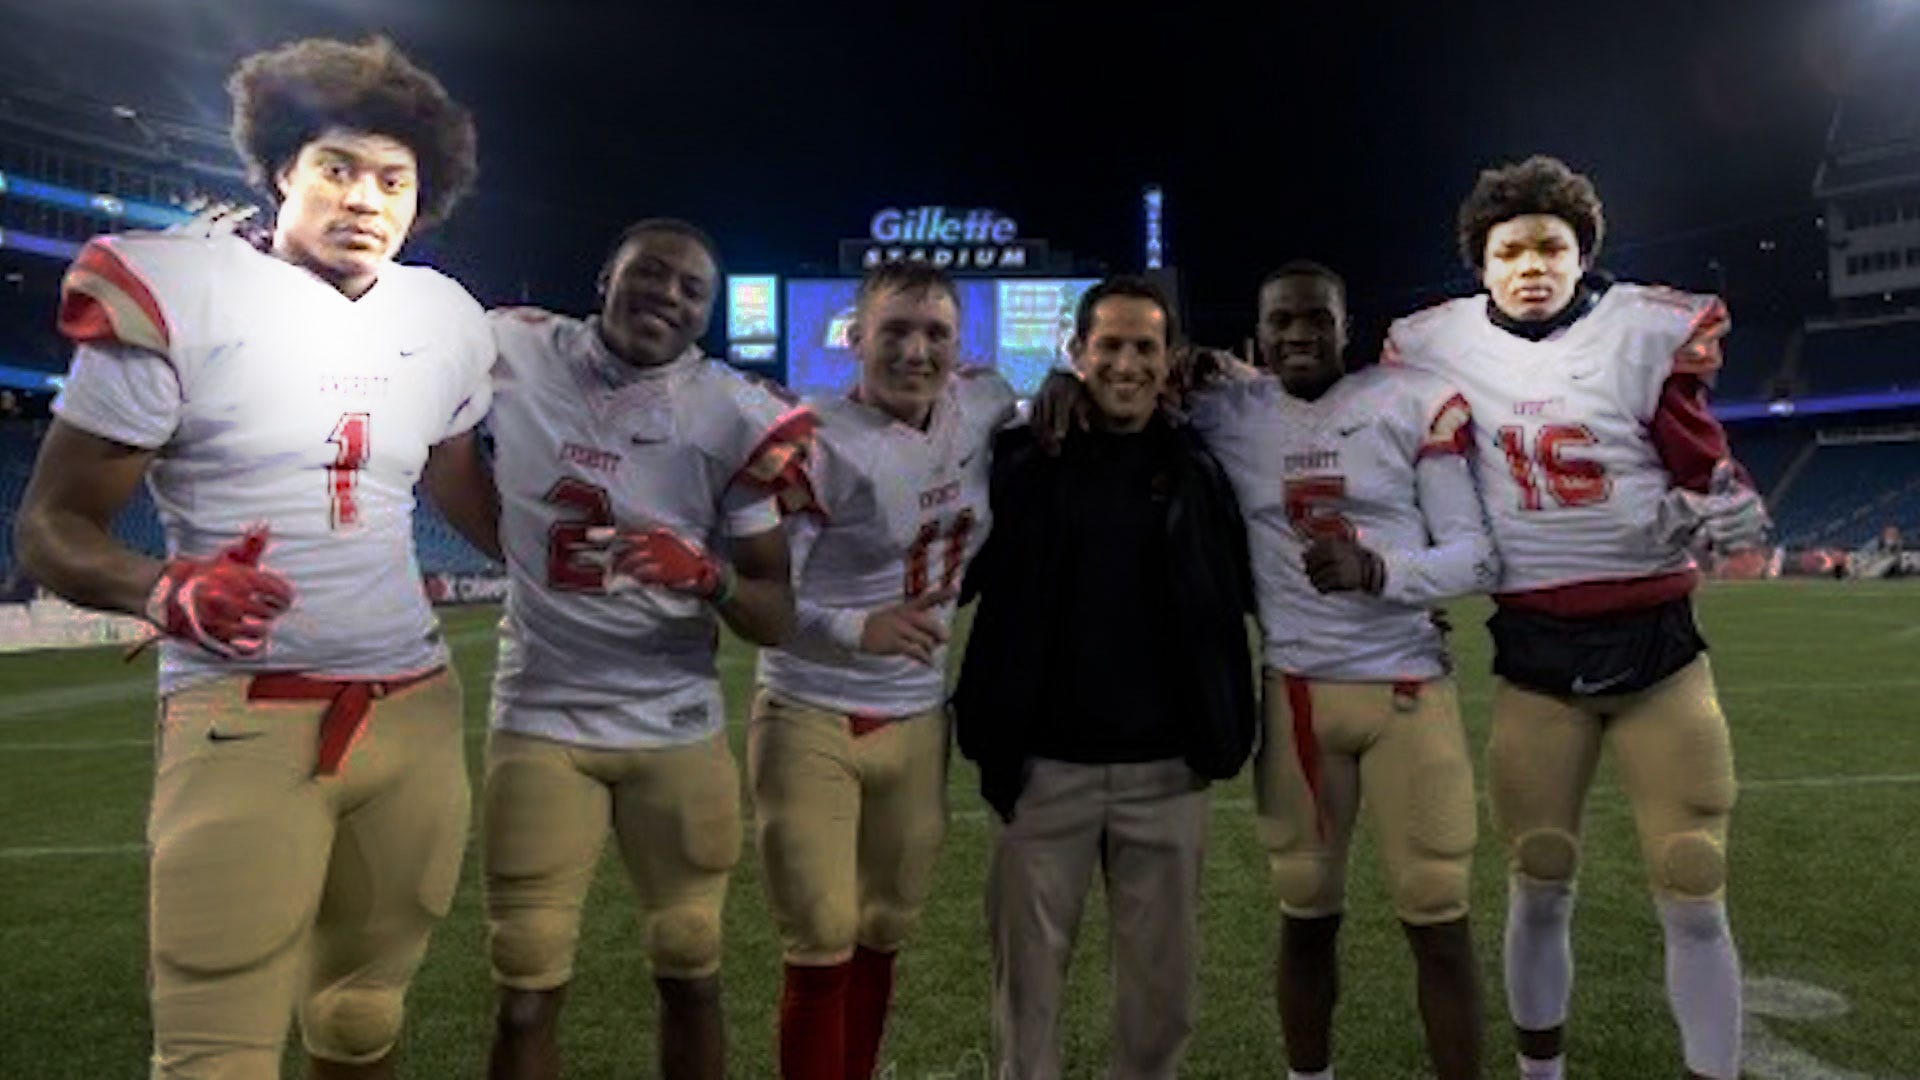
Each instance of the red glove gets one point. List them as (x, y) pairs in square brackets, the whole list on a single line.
[(224, 604), (663, 557)]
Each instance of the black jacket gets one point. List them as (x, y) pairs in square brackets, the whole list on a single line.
[(1021, 616)]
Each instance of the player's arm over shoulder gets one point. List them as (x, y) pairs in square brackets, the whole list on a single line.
[(1422, 339), (765, 435), (987, 393)]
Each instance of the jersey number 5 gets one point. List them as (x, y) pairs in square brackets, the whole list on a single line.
[(1308, 512), (575, 563), (1571, 483), (956, 554)]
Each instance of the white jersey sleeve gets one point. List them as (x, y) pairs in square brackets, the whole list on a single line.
[(900, 512), (1456, 556), (121, 392), (291, 405), (470, 397)]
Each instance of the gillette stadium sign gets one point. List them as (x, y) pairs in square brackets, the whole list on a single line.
[(959, 241)]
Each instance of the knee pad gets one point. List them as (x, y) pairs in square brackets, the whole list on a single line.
[(1306, 886), (1432, 890), (1689, 866), (822, 932), (684, 942), (1549, 855), (884, 927), (352, 1026), (532, 948)]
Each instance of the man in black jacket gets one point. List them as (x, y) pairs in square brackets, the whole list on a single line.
[(1106, 682)]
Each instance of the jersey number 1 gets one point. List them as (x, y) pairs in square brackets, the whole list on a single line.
[(343, 476)]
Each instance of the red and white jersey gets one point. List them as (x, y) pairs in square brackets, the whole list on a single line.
[(274, 399), (900, 512), (583, 440), (1380, 458), (1571, 475)]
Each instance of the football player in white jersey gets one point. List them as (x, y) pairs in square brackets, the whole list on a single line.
[(310, 801), (637, 481), (1598, 461), (847, 748), (1361, 511)]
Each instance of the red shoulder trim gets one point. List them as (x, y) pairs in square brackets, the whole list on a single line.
[(102, 298), (778, 464)]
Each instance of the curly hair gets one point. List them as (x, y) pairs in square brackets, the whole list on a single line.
[(285, 98), (1538, 185)]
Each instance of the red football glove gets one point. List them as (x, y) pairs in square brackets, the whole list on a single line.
[(663, 557), (225, 604)]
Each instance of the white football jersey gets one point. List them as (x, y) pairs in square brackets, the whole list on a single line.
[(1380, 458), (1571, 476), (583, 439), (900, 512), (274, 399)]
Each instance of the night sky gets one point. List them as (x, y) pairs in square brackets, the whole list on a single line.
[(1343, 133)]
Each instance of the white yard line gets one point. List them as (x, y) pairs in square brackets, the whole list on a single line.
[(58, 699), (37, 704), (64, 747), (1233, 803), (69, 852), (1241, 802)]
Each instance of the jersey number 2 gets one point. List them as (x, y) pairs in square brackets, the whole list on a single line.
[(575, 563), (1571, 483), (350, 439)]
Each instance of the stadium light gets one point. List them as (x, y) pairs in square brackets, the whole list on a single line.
[(1153, 201), (152, 215)]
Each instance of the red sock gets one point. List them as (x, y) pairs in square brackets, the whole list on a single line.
[(869, 993), (813, 1022)]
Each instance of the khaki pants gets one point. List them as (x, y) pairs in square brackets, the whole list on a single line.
[(1403, 747), (274, 890), (674, 811), (849, 823), (1144, 827), (1676, 763)]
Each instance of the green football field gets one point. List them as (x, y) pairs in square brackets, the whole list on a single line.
[(1818, 680)]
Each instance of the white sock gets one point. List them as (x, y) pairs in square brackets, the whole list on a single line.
[(1539, 956), (1703, 984), (1553, 1068), (1323, 1074)]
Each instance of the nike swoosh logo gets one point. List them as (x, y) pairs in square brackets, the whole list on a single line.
[(413, 351), (968, 460), (1582, 686), (238, 736), (642, 440), (1347, 431)]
